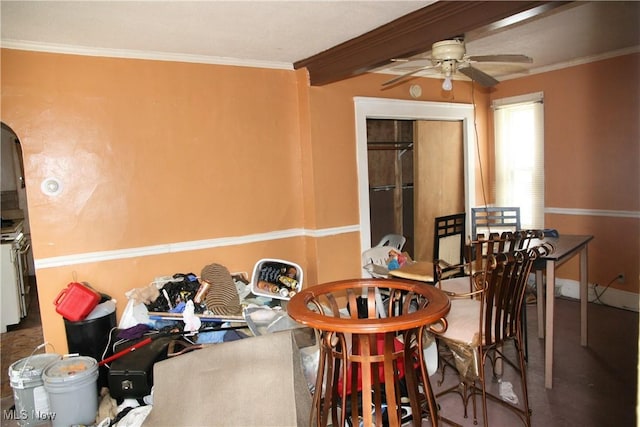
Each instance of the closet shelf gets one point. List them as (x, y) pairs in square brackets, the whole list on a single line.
[(390, 146), (390, 187)]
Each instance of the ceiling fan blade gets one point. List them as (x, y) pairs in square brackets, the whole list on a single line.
[(417, 58), (501, 58), (405, 75), (481, 77)]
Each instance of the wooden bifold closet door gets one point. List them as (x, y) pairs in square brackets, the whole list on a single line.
[(438, 165)]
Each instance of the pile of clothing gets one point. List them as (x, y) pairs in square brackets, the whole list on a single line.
[(167, 318)]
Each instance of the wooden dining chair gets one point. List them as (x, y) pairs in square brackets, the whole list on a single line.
[(448, 244), (448, 252)]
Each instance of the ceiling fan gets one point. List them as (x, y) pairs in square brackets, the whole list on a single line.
[(450, 56)]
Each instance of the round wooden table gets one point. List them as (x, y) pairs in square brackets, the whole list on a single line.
[(374, 328)]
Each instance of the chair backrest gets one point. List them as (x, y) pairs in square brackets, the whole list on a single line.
[(504, 283), (478, 252), (374, 260), (449, 242), (479, 249), (395, 240), (489, 219)]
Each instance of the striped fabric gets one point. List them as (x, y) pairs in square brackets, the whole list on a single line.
[(222, 298)]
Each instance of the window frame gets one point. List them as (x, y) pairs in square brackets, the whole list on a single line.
[(509, 165)]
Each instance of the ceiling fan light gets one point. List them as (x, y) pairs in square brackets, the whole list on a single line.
[(448, 50), (447, 84)]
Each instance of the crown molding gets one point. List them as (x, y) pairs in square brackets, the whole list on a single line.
[(137, 54)]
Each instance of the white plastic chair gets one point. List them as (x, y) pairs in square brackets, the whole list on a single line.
[(374, 261), (394, 240)]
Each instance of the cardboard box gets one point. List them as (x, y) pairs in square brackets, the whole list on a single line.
[(257, 381)]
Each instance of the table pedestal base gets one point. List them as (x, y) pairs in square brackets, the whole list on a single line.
[(371, 384)]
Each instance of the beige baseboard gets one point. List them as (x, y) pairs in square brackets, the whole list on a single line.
[(612, 296)]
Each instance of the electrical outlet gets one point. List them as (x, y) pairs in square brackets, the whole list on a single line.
[(620, 278)]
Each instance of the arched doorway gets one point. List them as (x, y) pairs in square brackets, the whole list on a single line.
[(17, 260)]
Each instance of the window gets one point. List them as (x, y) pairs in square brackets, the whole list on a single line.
[(519, 148)]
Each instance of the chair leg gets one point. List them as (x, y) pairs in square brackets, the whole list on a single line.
[(521, 366), (524, 332), (468, 390), (443, 361), (462, 389), (482, 374), (523, 379)]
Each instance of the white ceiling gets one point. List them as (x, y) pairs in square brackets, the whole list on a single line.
[(276, 34), (269, 33)]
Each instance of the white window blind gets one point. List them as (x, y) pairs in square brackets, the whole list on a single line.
[(519, 152)]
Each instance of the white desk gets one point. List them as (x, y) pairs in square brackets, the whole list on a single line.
[(566, 247)]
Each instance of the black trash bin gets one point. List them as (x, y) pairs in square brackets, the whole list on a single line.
[(91, 338)]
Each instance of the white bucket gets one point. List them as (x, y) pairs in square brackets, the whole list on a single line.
[(29, 395), (72, 387)]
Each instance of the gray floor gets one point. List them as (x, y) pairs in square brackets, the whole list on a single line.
[(593, 386)]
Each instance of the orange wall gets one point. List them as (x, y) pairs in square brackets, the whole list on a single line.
[(154, 153), (333, 151), (592, 160), (333, 130)]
